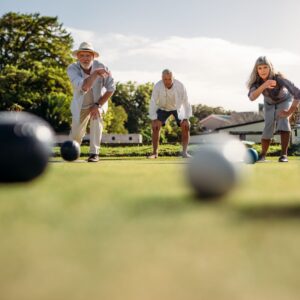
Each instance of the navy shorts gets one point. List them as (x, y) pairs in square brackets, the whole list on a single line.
[(163, 115)]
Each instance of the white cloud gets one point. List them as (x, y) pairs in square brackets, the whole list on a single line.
[(214, 71), (81, 35)]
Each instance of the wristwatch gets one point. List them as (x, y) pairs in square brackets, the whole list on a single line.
[(98, 104)]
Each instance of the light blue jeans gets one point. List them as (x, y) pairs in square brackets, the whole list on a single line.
[(272, 120)]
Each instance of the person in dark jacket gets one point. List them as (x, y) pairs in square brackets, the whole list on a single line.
[(278, 93)]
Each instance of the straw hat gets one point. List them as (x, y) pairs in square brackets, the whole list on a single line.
[(85, 46)]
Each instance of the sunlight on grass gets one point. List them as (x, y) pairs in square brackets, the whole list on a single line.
[(132, 229)]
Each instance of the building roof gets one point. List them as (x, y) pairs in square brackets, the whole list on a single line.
[(245, 117), (225, 118), (233, 120), (240, 124)]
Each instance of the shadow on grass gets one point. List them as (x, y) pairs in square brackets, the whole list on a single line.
[(102, 159), (270, 212), (68, 162), (138, 159), (165, 162), (170, 206), (177, 206)]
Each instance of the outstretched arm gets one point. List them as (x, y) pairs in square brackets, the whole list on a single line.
[(84, 85), (255, 93), (88, 82)]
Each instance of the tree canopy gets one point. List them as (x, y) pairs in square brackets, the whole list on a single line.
[(28, 38), (34, 53), (135, 99)]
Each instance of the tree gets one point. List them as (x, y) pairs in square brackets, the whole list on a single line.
[(34, 54), (28, 38), (201, 111), (115, 119), (135, 100)]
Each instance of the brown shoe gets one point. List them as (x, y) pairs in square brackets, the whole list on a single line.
[(93, 158)]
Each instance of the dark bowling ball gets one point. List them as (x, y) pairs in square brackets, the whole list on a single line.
[(25, 146), (70, 150)]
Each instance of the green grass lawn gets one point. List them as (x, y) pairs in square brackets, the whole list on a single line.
[(164, 150), (131, 229)]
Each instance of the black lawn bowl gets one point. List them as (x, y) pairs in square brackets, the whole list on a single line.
[(25, 146), (70, 150)]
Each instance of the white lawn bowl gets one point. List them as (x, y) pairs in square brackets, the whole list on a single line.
[(217, 166)]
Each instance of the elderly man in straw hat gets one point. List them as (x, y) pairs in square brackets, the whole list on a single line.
[(169, 97), (92, 85)]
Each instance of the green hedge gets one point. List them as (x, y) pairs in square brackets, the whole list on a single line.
[(123, 151), (164, 150), (275, 150)]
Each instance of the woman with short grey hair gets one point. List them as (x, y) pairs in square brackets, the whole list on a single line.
[(278, 94)]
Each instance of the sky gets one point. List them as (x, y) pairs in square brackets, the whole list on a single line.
[(211, 46)]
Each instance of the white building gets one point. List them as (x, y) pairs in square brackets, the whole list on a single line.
[(250, 131)]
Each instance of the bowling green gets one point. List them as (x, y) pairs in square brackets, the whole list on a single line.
[(131, 229)]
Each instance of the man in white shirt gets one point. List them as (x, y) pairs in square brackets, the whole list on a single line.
[(92, 87), (168, 98)]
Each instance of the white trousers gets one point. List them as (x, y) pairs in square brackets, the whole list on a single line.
[(78, 130)]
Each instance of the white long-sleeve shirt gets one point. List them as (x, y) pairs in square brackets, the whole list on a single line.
[(158, 100)]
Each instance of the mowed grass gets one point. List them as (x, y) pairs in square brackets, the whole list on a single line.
[(132, 229)]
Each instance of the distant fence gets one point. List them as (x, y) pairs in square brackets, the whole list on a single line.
[(109, 138), (130, 138)]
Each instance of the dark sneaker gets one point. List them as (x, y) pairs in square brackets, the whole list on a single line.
[(93, 158), (283, 158), (261, 159)]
